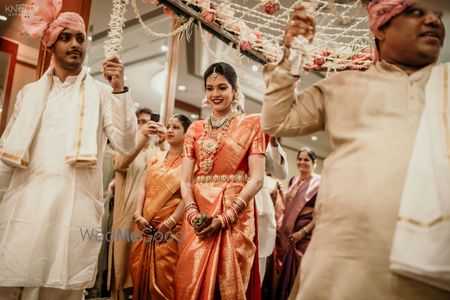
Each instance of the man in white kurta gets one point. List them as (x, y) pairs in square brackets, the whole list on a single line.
[(51, 199), (372, 119)]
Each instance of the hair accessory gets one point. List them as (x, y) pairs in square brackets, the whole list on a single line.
[(214, 74)]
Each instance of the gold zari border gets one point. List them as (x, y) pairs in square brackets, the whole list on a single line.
[(446, 125), (15, 158), (422, 224)]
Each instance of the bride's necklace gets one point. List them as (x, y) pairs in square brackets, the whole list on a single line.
[(219, 122), (210, 145)]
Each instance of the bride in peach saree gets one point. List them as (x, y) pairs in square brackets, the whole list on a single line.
[(223, 169)]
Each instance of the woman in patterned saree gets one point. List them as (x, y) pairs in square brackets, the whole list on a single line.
[(158, 215), (217, 258), (295, 232)]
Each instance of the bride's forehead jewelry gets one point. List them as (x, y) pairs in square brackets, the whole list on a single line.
[(214, 74)]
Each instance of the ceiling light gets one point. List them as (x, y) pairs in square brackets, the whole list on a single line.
[(164, 48), (255, 68), (1, 110), (194, 116), (182, 88), (314, 138), (3, 18), (90, 38), (89, 69), (125, 78), (136, 104)]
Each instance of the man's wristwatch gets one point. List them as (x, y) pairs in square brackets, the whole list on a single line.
[(125, 89)]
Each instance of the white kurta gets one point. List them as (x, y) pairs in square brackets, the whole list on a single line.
[(50, 204), (371, 119), (276, 165)]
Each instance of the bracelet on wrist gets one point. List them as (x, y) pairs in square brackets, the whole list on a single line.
[(136, 217), (170, 222), (125, 89), (241, 203)]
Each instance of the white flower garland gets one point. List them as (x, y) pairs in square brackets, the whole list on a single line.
[(113, 43)]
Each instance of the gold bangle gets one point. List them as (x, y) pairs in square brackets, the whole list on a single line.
[(136, 216), (170, 222), (242, 200)]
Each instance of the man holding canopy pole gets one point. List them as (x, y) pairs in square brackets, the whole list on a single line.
[(51, 160), (372, 119)]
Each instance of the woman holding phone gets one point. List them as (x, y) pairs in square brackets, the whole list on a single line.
[(158, 214)]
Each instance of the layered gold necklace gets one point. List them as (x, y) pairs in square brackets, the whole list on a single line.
[(212, 137)]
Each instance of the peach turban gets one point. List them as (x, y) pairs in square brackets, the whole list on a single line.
[(382, 11), (44, 20)]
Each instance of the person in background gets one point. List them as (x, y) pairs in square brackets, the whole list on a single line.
[(295, 232), (160, 208), (130, 171), (276, 168)]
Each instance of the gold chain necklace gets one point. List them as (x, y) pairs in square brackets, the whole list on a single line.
[(165, 169)]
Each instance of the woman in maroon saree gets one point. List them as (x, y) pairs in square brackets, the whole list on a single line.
[(298, 222)]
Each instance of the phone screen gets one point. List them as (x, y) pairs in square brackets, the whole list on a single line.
[(154, 117)]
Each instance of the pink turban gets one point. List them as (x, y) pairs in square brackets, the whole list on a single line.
[(46, 21), (382, 11)]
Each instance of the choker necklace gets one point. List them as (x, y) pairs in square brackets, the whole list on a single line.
[(215, 122)]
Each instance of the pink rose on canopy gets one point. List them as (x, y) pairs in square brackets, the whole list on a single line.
[(209, 15), (245, 45), (259, 38), (271, 6), (319, 61)]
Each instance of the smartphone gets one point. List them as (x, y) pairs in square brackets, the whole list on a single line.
[(154, 117)]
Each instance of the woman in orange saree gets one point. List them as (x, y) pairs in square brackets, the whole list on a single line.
[(217, 257), (159, 209)]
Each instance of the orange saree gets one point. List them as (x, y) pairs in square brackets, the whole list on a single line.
[(221, 266), (153, 264)]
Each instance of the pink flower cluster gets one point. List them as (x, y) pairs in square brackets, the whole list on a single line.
[(223, 15), (271, 6), (327, 60)]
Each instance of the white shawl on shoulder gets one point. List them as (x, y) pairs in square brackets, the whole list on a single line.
[(82, 123)]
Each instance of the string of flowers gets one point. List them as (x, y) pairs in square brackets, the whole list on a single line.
[(342, 40), (150, 32), (113, 43), (342, 31)]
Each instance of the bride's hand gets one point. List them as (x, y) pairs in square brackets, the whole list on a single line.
[(210, 230)]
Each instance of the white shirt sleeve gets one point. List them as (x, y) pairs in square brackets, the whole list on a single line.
[(6, 172), (119, 121)]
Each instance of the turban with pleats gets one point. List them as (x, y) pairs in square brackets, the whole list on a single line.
[(46, 21), (382, 11)]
